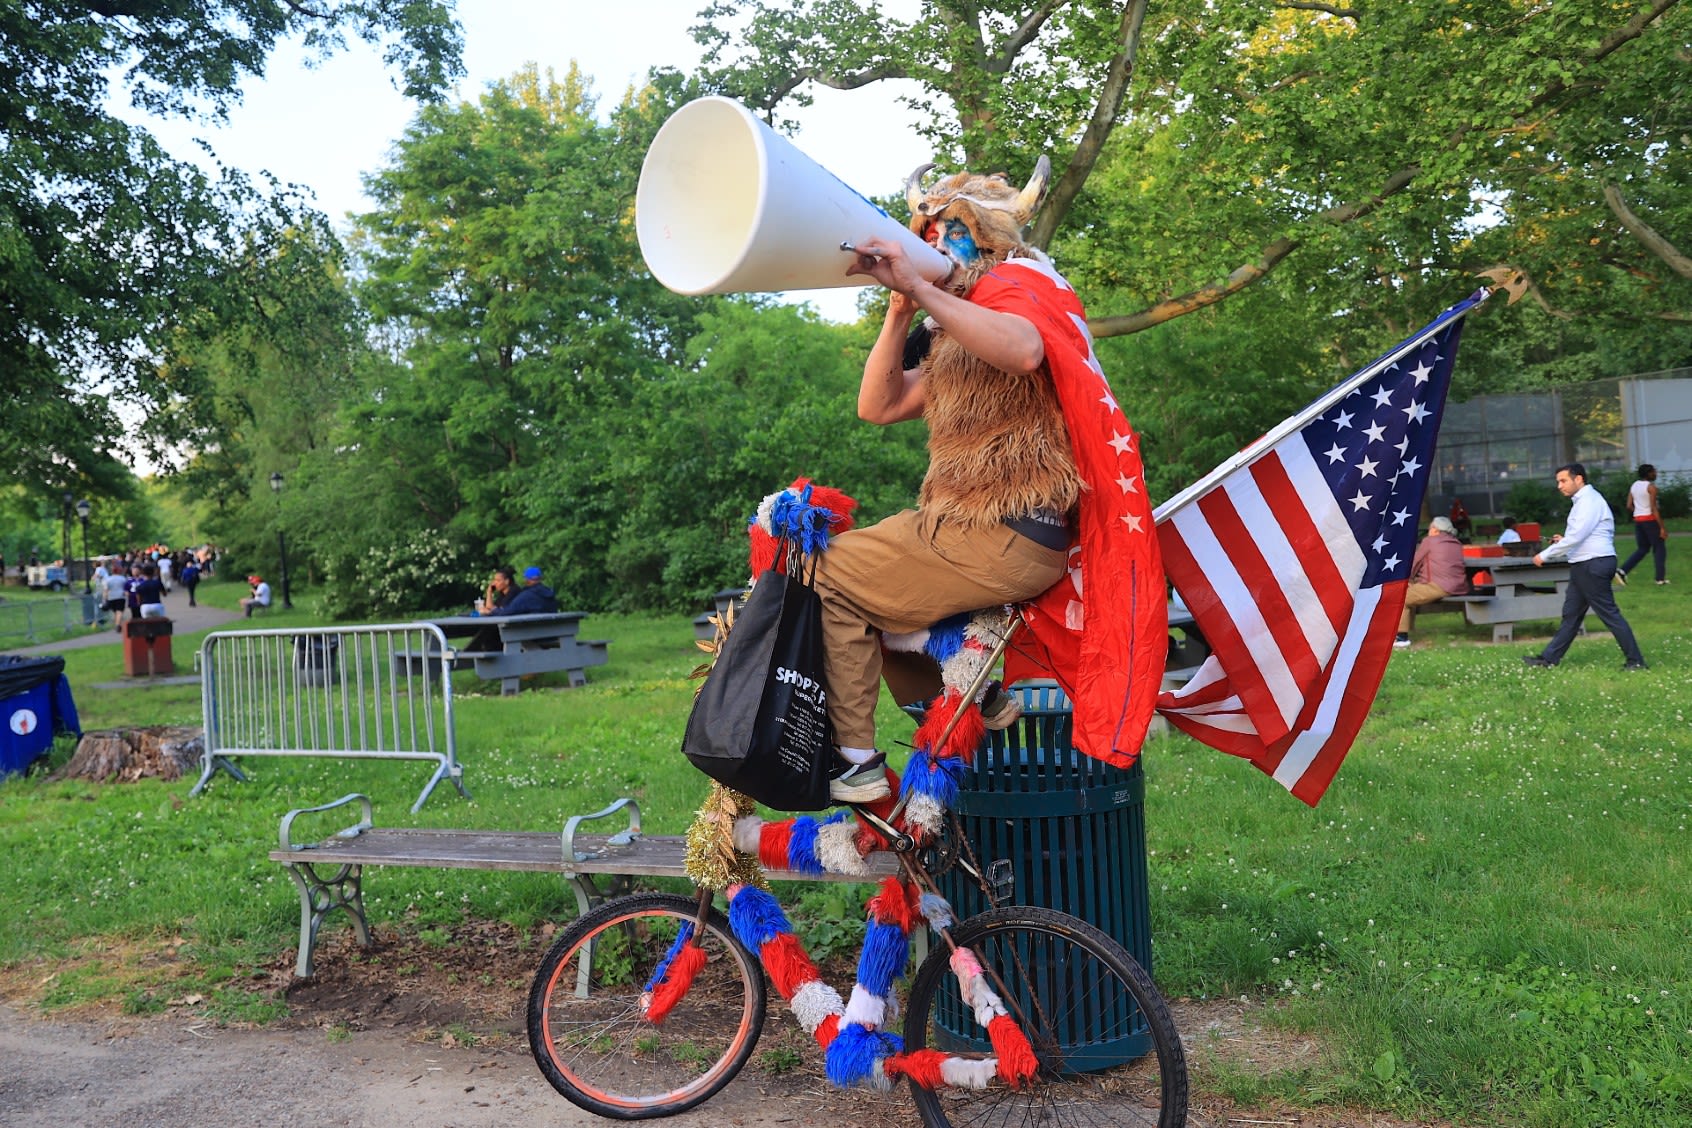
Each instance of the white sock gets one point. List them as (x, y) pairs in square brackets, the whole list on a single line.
[(856, 755)]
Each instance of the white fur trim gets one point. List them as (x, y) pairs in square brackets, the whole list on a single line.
[(836, 850), (813, 1002), (878, 1078), (746, 829), (925, 813), (865, 1009), (985, 1002), (969, 1073), (911, 642), (765, 517)]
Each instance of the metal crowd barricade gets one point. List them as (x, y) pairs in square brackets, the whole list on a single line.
[(381, 692), (30, 620)]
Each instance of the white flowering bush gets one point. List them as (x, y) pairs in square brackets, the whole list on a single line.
[(417, 571)]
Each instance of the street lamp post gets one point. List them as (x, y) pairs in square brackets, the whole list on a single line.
[(83, 509), (281, 541), (65, 529)]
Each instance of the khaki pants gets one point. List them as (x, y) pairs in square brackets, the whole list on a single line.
[(901, 575), (1416, 595)]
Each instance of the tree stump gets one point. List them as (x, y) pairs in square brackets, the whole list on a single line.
[(126, 755)]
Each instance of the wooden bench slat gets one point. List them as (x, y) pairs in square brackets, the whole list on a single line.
[(531, 851)]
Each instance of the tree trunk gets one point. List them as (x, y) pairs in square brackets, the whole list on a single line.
[(126, 755)]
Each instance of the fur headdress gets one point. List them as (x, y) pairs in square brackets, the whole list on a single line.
[(989, 207)]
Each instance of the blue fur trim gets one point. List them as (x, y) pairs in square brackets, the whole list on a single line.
[(802, 847), (936, 910), (883, 959), (756, 917), (838, 816), (946, 637), (939, 779), (855, 1050), (682, 937), (795, 518)]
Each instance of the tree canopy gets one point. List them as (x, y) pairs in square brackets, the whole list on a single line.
[(1200, 146), (108, 244)]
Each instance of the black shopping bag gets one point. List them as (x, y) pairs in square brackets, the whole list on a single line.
[(760, 724)]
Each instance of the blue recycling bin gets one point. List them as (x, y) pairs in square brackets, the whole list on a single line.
[(35, 706)]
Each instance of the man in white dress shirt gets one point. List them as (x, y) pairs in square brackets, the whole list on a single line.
[(1589, 545)]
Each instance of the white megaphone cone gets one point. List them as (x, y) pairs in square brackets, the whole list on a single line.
[(728, 205)]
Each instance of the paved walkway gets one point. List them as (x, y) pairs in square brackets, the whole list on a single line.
[(187, 620)]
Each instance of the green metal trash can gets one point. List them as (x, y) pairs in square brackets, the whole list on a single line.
[(1053, 827)]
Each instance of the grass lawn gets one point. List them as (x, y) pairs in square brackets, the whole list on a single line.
[(1486, 918)]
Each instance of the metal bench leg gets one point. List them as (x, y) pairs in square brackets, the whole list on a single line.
[(319, 897)]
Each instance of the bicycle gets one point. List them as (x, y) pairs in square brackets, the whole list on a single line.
[(611, 1037)]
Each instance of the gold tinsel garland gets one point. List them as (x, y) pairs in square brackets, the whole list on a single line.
[(711, 859)]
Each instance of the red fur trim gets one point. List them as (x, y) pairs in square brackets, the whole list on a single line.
[(969, 734), (837, 502), (677, 979), (1017, 1063), (827, 1030), (891, 906), (965, 738), (763, 556), (789, 967), (773, 841), (921, 1066)]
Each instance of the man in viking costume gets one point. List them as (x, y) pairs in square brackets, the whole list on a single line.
[(1003, 498)]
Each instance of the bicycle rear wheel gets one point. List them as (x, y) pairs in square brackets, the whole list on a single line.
[(1108, 1049), (588, 1028)]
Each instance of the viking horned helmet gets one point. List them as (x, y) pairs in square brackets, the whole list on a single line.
[(969, 211)]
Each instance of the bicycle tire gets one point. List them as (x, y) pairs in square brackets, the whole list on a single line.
[(1062, 979), (601, 1052)]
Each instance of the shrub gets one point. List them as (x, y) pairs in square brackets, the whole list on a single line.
[(1535, 501), (1674, 499), (402, 574)]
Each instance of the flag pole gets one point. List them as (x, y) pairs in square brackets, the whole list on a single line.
[(1328, 399)]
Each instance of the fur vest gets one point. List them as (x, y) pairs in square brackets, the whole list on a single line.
[(997, 444)]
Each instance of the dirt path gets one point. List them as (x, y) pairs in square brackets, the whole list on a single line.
[(164, 1074), (408, 1035)]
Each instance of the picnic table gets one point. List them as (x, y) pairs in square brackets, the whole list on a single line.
[(529, 644), (1506, 590)]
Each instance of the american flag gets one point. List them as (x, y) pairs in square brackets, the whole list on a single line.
[(1293, 557)]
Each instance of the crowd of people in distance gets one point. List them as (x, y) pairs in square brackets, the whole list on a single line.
[(137, 581)]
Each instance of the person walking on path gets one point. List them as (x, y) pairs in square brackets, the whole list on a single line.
[(116, 592), (1589, 545), (191, 579), (1648, 531), (1436, 571)]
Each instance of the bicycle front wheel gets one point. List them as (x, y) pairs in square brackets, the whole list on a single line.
[(1108, 1049), (589, 1028)]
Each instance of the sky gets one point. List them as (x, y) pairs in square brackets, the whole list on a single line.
[(321, 126)]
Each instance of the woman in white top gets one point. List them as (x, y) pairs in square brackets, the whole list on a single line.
[(1647, 525)]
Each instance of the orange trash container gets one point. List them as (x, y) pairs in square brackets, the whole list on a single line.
[(146, 648)]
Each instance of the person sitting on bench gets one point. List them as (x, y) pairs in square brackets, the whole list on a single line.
[(260, 599), (1435, 572), (533, 598)]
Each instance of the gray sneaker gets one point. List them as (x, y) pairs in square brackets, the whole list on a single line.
[(861, 783)]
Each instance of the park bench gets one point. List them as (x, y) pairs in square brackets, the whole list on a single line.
[(330, 873), (530, 644)]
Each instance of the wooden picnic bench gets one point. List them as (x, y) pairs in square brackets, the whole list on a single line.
[(1513, 590), (529, 644), (329, 873)]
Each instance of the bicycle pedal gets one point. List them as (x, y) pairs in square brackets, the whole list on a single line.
[(1001, 875)]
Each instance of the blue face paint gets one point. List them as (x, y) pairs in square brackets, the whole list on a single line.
[(959, 243)]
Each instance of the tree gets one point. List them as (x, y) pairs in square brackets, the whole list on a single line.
[(501, 268), (1200, 146), (107, 243)]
